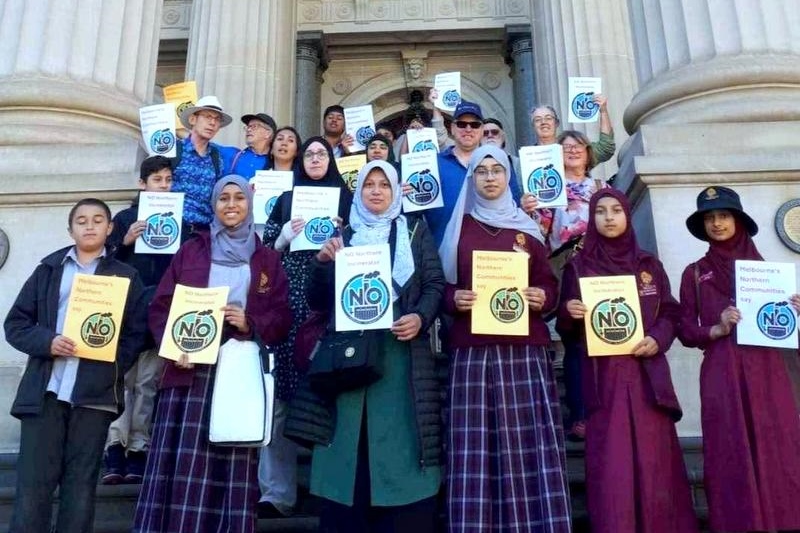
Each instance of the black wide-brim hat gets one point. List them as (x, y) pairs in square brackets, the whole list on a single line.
[(712, 198)]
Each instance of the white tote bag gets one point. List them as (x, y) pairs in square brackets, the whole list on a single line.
[(242, 402)]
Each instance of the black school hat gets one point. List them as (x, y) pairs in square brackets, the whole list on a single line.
[(712, 198)]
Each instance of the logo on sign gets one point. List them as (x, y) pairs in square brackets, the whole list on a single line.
[(424, 187), (365, 298), (424, 146), (162, 141), (194, 330), (545, 183), (161, 230), (319, 229), (776, 320), (507, 305), (98, 329), (613, 320), (364, 134), (269, 205), (350, 178), (584, 106), (451, 98)]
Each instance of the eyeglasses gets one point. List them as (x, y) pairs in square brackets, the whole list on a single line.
[(490, 133), (495, 171), (320, 154), (573, 147), (546, 118), (256, 126), (462, 124)]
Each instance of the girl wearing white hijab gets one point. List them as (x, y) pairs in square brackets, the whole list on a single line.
[(505, 446), (379, 470)]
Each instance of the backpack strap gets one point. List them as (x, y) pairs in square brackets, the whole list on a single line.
[(236, 159)]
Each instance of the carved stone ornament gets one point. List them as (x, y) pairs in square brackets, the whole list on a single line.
[(415, 69)]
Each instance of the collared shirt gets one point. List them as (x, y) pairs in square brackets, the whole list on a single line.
[(65, 368), (244, 162), (195, 177)]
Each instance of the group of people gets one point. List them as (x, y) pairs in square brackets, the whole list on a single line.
[(492, 434)]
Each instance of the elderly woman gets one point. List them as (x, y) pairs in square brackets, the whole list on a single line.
[(506, 464), (379, 469), (190, 484), (546, 122)]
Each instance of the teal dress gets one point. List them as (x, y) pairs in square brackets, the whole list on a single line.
[(396, 477)]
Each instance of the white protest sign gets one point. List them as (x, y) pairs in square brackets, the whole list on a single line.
[(542, 170), (420, 140), (360, 124), (420, 170), (763, 290), (364, 288), (268, 185), (582, 107), (162, 213), (158, 129), (317, 206), (448, 87)]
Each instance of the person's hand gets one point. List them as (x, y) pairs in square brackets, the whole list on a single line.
[(289, 231), (183, 362), (347, 142), (576, 309), (529, 203), (464, 299), (407, 326), (646, 347), (535, 298), (602, 102), (794, 300), (729, 317), (328, 251), (62, 346), (406, 189), (136, 229), (235, 316)]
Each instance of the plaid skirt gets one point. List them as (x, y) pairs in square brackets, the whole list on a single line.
[(506, 468), (190, 485)]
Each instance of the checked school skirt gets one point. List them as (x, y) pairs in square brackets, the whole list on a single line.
[(506, 468), (189, 484)]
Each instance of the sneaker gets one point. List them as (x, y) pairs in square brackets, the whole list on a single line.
[(136, 463), (114, 460)]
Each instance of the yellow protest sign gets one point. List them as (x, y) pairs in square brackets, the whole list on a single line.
[(499, 279), (194, 325), (349, 166), (95, 310), (614, 317), (183, 95)]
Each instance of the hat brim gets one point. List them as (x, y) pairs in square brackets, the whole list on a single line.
[(189, 111), (697, 228)]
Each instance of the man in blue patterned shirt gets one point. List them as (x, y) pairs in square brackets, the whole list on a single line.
[(199, 163)]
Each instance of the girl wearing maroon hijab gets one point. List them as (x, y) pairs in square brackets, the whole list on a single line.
[(751, 430), (635, 477)]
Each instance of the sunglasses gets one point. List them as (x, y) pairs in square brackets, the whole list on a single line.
[(462, 124), (490, 133)]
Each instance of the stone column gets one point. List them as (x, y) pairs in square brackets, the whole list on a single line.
[(584, 38), (73, 75), (242, 52), (521, 53), (309, 78)]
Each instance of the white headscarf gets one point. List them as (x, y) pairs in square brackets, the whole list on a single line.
[(500, 213), (369, 228)]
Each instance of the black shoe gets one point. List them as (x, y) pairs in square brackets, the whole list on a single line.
[(114, 472), (135, 462), (269, 510)]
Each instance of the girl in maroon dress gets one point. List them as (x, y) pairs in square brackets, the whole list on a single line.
[(635, 477), (751, 429)]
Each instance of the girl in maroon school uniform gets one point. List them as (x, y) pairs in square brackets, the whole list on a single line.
[(506, 464), (635, 477), (751, 430)]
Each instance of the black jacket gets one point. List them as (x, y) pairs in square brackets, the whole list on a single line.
[(312, 420), (30, 327)]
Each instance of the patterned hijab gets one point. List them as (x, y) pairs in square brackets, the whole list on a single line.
[(371, 228), (232, 246), (500, 213)]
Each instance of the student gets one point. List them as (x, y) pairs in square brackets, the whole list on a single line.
[(635, 477), (129, 435), (65, 404), (751, 435)]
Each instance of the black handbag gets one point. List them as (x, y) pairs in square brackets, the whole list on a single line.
[(346, 360)]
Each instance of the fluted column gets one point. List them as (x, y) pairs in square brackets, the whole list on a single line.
[(524, 88), (243, 52), (584, 38), (307, 97), (715, 61)]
